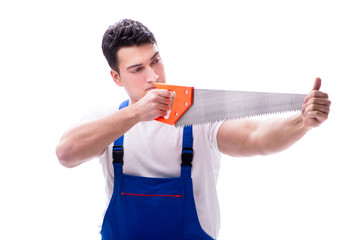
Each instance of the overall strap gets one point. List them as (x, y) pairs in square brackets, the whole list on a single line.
[(187, 147), (118, 148), (187, 152)]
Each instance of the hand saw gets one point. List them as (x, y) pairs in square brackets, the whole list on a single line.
[(197, 106)]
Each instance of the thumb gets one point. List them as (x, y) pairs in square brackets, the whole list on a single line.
[(317, 84)]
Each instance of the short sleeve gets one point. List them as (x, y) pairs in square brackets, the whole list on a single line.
[(97, 113), (213, 131)]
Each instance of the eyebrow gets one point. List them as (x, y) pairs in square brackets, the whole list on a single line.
[(140, 64)]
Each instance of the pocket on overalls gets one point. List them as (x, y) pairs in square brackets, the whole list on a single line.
[(152, 213)]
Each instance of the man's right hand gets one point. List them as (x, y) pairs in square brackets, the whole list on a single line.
[(156, 103)]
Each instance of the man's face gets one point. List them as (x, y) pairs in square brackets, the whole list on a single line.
[(139, 68)]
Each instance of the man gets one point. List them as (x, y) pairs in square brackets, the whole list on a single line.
[(152, 153)]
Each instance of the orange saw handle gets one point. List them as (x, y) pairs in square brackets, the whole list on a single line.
[(182, 102)]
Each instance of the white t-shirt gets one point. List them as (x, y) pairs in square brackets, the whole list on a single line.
[(153, 149)]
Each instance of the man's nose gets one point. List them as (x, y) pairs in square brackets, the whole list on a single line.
[(151, 76)]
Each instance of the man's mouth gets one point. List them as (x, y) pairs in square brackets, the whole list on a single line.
[(150, 88)]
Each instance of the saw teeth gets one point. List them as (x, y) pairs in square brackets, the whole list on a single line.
[(237, 118)]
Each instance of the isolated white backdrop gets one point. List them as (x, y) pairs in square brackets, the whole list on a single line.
[(53, 71)]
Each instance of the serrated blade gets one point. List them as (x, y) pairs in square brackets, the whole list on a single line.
[(217, 105)]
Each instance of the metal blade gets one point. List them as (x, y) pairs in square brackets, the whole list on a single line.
[(216, 105)]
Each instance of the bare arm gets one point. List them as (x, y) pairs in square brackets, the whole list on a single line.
[(89, 140), (260, 137)]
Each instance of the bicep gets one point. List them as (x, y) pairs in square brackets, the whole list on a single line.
[(235, 138)]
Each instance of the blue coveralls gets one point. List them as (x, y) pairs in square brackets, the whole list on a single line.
[(143, 208)]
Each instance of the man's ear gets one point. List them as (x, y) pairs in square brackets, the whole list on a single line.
[(116, 77)]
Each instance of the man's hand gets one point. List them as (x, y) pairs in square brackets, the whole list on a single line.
[(154, 104), (316, 106)]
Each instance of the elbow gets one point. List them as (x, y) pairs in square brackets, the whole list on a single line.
[(65, 156)]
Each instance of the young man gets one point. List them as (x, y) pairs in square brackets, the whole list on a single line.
[(140, 205)]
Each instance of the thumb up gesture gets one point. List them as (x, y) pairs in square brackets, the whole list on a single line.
[(316, 106)]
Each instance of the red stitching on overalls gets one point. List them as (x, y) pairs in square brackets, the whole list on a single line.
[(151, 195)]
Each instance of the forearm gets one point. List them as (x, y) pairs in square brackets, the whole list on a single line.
[(276, 135), (90, 140)]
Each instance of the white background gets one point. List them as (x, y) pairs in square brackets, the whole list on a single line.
[(53, 71)]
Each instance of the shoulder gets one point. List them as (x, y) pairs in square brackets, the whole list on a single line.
[(207, 134)]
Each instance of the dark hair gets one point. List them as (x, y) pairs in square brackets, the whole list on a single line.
[(125, 33)]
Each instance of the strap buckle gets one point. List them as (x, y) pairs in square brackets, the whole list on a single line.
[(118, 154), (187, 157)]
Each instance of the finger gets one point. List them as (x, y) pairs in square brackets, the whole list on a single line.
[(317, 84), (315, 89), (319, 108), (163, 93), (162, 113), (162, 96), (315, 94), (172, 98), (318, 116), (312, 108), (319, 101), (164, 107)]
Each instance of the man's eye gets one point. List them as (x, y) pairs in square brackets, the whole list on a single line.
[(137, 70), (156, 60)]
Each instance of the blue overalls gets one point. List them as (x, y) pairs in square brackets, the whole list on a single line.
[(143, 208)]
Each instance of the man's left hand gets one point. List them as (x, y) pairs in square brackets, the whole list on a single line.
[(316, 106)]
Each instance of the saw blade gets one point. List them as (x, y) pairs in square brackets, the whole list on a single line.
[(217, 105)]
